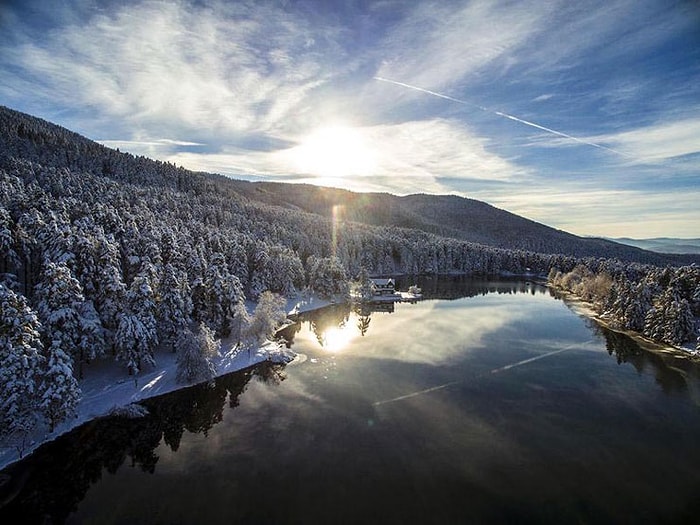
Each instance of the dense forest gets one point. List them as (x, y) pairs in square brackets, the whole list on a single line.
[(105, 255)]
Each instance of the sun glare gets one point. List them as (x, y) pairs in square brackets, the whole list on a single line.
[(336, 339), (335, 152)]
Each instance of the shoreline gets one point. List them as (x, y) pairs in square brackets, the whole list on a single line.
[(586, 309), (105, 392), (106, 387)]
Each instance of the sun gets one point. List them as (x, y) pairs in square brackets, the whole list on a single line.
[(335, 151)]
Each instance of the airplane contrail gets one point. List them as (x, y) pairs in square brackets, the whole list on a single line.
[(493, 371), (501, 114)]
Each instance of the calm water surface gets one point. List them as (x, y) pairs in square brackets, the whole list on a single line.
[(491, 402)]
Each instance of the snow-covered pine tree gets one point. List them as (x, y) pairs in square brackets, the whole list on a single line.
[(68, 322), (28, 250), (60, 393), (9, 260), (136, 335), (222, 291), (680, 323), (110, 289), (175, 306), (195, 355), (327, 277), (364, 288), (54, 238), (670, 320), (639, 303), (20, 368)]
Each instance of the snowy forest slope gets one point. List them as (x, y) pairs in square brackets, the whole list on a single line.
[(24, 136), (448, 216)]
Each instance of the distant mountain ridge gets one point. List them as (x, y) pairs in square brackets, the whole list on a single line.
[(25, 136)]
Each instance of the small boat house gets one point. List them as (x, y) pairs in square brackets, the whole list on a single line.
[(383, 286)]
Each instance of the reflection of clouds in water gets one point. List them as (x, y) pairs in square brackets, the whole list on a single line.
[(450, 331)]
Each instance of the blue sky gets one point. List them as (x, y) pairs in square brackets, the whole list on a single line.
[(582, 115)]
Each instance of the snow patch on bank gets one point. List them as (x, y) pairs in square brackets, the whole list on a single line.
[(107, 390)]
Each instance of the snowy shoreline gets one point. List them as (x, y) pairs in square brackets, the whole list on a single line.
[(107, 388), (586, 309)]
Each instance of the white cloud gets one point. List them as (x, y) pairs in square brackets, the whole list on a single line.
[(605, 212), (439, 44), (238, 68), (657, 142), (155, 142), (407, 157), (543, 97)]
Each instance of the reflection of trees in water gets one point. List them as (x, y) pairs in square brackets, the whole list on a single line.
[(363, 324), (672, 372), (456, 287), (334, 316), (48, 485)]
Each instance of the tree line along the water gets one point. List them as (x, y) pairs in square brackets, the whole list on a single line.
[(660, 303), (104, 255)]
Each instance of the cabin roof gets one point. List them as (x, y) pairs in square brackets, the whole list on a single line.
[(382, 282)]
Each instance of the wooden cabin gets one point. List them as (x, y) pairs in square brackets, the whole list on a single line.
[(383, 286)]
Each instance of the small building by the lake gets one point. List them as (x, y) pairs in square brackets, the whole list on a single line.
[(383, 286)]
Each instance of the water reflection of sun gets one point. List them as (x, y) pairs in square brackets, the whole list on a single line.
[(337, 339)]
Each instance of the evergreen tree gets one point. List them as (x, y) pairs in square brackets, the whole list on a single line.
[(136, 335), (60, 391), (223, 292), (69, 323), (20, 368), (670, 320), (327, 277), (110, 290), (363, 286), (9, 260), (175, 306)]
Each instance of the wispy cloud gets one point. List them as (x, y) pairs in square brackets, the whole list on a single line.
[(424, 153), (156, 142), (238, 68), (439, 43), (657, 142)]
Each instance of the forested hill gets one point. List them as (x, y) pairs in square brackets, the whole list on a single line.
[(25, 137), (448, 216)]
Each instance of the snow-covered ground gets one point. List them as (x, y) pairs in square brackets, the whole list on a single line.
[(107, 387)]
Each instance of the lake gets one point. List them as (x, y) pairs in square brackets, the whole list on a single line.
[(487, 402)]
